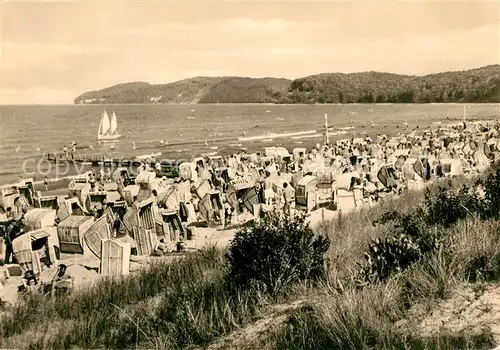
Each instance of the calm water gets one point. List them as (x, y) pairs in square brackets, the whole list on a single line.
[(38, 129)]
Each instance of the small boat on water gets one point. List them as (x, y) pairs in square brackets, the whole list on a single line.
[(108, 129)]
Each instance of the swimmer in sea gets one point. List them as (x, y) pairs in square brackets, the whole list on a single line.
[(18, 148), (133, 145)]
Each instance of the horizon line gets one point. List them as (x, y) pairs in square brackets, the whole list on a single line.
[(245, 103)]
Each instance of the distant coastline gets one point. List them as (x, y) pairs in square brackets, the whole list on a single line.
[(240, 104), (480, 85)]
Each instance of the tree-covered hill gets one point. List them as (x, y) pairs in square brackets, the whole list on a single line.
[(475, 85), (247, 90)]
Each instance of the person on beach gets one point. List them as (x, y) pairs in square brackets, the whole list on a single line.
[(46, 183), (29, 282), (108, 175), (9, 214), (92, 181), (268, 189), (227, 214), (289, 198), (141, 168), (62, 283), (8, 244), (13, 230), (108, 212)]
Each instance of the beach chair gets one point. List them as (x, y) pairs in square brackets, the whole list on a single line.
[(187, 171), (93, 237), (305, 186), (71, 233), (451, 167), (172, 228), (95, 200), (47, 202), (387, 175), (147, 182), (115, 260), (26, 191), (211, 208), (8, 196)]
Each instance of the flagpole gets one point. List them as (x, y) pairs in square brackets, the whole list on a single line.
[(326, 130)]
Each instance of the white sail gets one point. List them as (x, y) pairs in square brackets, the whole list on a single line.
[(104, 123), (114, 124), (99, 131)]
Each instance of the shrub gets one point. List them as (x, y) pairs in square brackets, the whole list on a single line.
[(447, 206), (483, 268), (418, 232), (492, 192), (276, 252), (410, 240)]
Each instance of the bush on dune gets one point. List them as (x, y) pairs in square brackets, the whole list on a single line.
[(277, 252), (421, 231)]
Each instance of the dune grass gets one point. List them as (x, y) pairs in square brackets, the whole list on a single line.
[(354, 318), (386, 314), (190, 302), (174, 304)]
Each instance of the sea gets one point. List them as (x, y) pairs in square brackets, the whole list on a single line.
[(28, 132)]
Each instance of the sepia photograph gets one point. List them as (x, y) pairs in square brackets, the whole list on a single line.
[(249, 174)]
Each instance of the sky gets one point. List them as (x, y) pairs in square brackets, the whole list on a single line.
[(52, 51)]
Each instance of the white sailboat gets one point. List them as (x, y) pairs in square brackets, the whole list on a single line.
[(108, 129)]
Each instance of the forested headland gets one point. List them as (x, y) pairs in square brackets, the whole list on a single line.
[(480, 85)]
